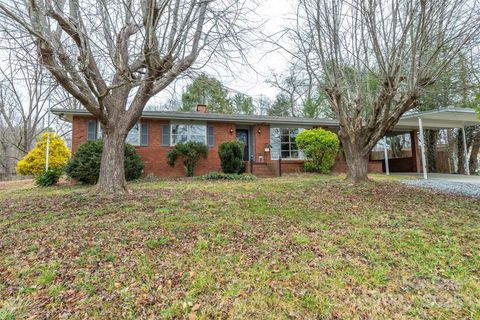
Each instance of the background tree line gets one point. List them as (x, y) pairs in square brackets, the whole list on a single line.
[(296, 97), (458, 87)]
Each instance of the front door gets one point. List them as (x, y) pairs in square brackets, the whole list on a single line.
[(242, 136)]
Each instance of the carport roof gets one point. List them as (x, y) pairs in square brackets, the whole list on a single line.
[(440, 119)]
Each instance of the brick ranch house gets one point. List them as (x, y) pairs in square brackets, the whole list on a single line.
[(266, 139)]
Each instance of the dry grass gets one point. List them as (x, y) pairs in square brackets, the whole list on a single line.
[(300, 247), (16, 184)]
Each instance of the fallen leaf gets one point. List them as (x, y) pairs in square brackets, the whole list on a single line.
[(196, 307)]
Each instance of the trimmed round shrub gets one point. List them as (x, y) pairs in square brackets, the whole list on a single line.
[(48, 178), (84, 166), (190, 152), (321, 147), (231, 157)]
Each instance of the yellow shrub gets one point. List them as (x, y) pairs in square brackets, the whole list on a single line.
[(34, 162)]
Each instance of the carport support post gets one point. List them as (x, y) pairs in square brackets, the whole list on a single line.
[(422, 148), (465, 151), (385, 150)]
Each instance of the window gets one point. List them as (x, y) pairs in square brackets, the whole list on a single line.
[(179, 133), (99, 130), (188, 132), (133, 136), (283, 143)]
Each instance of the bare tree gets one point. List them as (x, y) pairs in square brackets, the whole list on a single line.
[(377, 57), (24, 89), (397, 143), (26, 93), (114, 55), (302, 90), (5, 149), (292, 85)]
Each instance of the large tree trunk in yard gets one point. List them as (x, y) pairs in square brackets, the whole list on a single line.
[(112, 173), (357, 161), (142, 48)]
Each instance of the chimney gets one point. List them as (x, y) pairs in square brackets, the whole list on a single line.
[(202, 108)]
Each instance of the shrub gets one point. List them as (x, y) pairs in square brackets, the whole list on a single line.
[(190, 152), (231, 157), (133, 164), (321, 147), (84, 166), (34, 162), (48, 178), (227, 176)]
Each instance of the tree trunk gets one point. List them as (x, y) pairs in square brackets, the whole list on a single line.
[(357, 161), (112, 173), (473, 162), (397, 146), (431, 138)]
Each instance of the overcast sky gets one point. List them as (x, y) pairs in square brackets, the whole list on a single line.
[(263, 59), (275, 14)]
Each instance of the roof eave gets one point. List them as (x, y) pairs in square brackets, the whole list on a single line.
[(210, 117)]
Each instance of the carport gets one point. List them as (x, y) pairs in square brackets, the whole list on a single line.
[(450, 118)]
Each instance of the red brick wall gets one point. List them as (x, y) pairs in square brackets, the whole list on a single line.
[(79, 131), (154, 156), (262, 139), (416, 153), (373, 167), (289, 166)]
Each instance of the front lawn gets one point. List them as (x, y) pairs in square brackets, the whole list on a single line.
[(297, 247)]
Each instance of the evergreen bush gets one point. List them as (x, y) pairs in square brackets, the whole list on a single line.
[(231, 157), (48, 178), (84, 166), (190, 152)]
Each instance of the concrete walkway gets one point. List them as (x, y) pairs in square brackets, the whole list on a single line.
[(444, 177)]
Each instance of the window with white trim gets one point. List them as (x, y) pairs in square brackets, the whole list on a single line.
[(188, 132), (99, 130), (282, 141), (133, 136)]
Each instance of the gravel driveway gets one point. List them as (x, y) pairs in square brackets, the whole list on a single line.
[(461, 188)]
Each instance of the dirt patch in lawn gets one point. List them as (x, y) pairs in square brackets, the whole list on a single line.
[(16, 184)]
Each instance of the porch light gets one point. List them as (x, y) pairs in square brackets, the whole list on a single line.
[(231, 130), (259, 131)]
